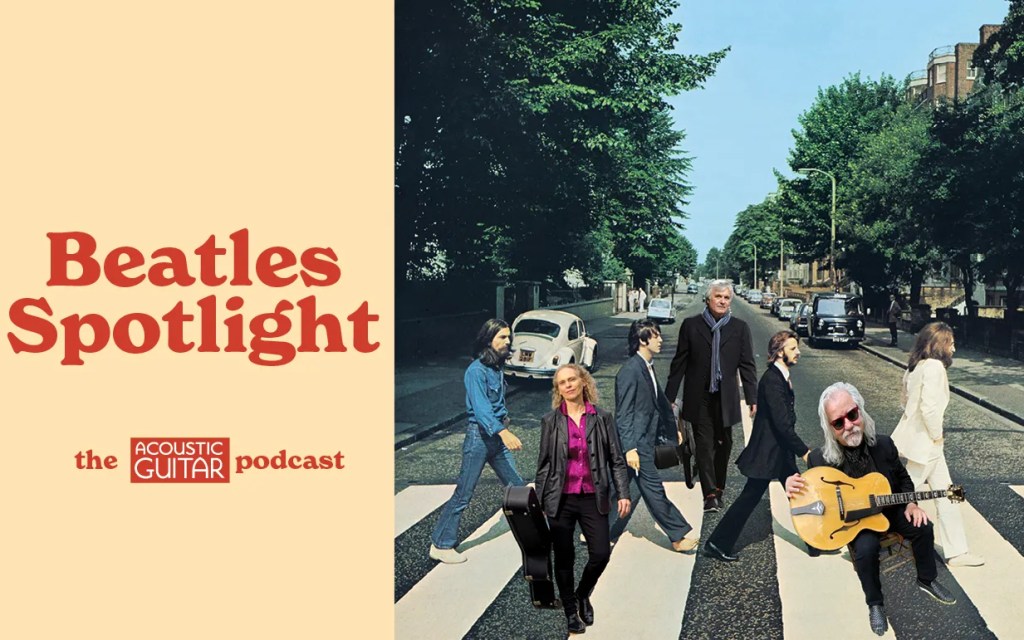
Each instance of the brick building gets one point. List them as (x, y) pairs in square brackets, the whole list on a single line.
[(950, 74)]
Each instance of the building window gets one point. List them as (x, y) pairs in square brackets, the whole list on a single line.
[(972, 73), (940, 73)]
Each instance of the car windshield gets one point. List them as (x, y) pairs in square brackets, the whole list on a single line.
[(660, 304), (541, 327), (838, 307)]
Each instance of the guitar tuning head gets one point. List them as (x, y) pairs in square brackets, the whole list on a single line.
[(955, 493)]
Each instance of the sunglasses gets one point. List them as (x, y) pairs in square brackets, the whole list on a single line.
[(852, 415)]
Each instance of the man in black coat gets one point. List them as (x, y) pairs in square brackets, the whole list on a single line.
[(770, 453), (853, 447), (712, 347)]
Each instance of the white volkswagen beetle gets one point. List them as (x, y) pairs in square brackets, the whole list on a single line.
[(544, 339)]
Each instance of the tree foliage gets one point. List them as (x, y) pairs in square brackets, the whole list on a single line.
[(534, 137)]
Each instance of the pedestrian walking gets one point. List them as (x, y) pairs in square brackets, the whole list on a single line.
[(488, 437), (920, 437), (713, 347)]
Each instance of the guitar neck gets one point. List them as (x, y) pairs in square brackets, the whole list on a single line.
[(892, 499)]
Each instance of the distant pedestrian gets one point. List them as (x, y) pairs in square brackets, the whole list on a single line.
[(641, 299), (488, 438), (893, 316), (632, 300), (919, 435)]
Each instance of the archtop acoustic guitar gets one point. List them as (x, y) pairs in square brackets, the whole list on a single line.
[(833, 507)]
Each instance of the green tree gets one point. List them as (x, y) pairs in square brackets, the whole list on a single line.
[(886, 240), (533, 136), (832, 133)]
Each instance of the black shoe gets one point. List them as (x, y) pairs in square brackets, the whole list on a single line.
[(712, 505), (937, 591), (575, 624), (586, 609), (711, 551), (876, 617)]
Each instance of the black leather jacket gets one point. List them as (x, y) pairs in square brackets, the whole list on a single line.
[(604, 451)]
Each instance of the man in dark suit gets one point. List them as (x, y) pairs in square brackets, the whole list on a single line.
[(642, 415), (712, 347), (773, 446), (853, 446)]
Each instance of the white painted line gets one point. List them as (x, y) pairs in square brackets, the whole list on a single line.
[(1018, 489), (414, 503), (994, 587), (448, 601), (819, 595), (655, 609)]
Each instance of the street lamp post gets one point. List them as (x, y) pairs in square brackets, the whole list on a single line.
[(832, 246)]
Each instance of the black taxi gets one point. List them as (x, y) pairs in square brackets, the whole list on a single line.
[(836, 318)]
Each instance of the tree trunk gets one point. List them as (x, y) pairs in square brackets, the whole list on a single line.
[(916, 278)]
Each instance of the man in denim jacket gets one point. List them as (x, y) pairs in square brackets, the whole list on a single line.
[(488, 438)]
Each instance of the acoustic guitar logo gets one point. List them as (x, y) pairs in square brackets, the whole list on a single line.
[(172, 460)]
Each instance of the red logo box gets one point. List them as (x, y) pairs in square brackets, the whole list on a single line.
[(163, 460)]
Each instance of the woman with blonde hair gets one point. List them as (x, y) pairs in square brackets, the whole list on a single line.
[(919, 434), (580, 458)]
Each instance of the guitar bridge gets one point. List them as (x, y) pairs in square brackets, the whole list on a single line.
[(813, 509)]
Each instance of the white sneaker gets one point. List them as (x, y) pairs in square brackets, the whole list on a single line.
[(966, 560), (447, 556)]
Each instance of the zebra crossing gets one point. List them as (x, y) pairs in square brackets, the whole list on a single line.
[(820, 596), (451, 598)]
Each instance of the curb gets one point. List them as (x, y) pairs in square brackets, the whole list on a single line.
[(960, 391), (421, 433)]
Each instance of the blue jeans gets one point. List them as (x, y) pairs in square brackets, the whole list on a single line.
[(477, 449)]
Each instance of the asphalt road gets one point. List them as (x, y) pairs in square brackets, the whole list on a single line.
[(764, 595)]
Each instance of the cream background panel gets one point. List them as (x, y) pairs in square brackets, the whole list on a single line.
[(155, 125)]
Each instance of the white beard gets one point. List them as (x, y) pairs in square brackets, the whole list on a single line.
[(854, 437)]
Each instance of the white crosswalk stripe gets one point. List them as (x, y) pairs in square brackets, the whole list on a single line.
[(991, 587), (413, 503), (662, 570)]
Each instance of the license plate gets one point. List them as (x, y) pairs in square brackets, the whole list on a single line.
[(526, 356), (840, 339)]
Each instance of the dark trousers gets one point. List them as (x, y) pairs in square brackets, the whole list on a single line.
[(712, 445), (892, 331), (582, 508), (866, 546), (650, 487), (729, 527)]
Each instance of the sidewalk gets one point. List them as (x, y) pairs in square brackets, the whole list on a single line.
[(430, 395), (990, 381)]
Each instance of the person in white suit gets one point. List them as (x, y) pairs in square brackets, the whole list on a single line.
[(919, 434)]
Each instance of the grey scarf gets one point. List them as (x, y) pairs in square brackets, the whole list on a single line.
[(716, 346)]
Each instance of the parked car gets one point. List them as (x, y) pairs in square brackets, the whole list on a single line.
[(836, 318), (767, 299), (798, 322), (754, 297), (787, 307), (543, 339), (661, 310), (692, 288)]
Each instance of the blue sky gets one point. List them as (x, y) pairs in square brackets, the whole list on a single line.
[(738, 127)]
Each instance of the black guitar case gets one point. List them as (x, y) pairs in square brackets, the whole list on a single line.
[(526, 519)]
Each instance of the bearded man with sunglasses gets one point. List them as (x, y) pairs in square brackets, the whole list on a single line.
[(853, 447)]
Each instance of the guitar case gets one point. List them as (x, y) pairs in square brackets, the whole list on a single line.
[(530, 528)]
